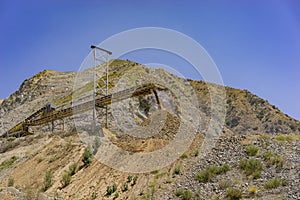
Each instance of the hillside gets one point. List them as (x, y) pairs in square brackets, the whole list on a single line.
[(256, 155)]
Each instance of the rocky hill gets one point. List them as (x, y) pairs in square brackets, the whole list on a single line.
[(256, 155)]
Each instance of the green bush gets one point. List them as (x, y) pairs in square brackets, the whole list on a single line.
[(129, 179), (252, 190), (284, 137), (251, 150), (273, 183), (134, 180), (7, 163), (96, 145), (116, 195), (251, 167), (273, 159), (109, 190), (11, 182), (114, 187), (185, 194), (234, 194), (125, 187), (210, 172), (177, 170), (73, 169), (197, 152), (225, 183), (87, 157), (94, 196), (184, 155), (66, 179), (47, 180)]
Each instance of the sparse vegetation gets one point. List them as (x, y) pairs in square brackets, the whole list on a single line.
[(11, 182), (284, 138), (197, 152), (234, 193), (252, 190), (96, 145), (48, 182), (7, 163), (177, 170), (129, 179), (94, 196), (251, 150), (210, 172), (273, 183), (125, 187), (116, 195), (273, 159), (224, 184), (109, 190), (251, 167), (73, 168), (66, 179), (184, 155), (87, 157), (185, 194), (134, 180)]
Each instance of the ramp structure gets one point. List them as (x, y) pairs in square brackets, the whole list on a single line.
[(49, 113)]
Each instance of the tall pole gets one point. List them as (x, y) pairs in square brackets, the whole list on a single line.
[(94, 95), (106, 56), (106, 108)]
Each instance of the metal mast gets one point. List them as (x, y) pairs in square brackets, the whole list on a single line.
[(102, 56)]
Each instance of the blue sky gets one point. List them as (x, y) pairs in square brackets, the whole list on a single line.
[(255, 44)]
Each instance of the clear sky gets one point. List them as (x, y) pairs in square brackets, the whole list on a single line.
[(255, 44)]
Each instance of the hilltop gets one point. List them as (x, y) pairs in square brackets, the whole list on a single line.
[(255, 134)]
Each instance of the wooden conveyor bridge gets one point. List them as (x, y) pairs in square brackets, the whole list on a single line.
[(49, 113)]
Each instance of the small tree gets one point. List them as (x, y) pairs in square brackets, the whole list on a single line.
[(87, 157), (11, 182), (125, 187), (73, 169), (96, 145), (47, 180), (66, 179)]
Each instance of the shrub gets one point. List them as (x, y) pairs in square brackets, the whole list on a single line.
[(251, 150), (47, 180), (185, 194), (197, 152), (184, 155), (94, 196), (252, 190), (7, 163), (284, 137), (234, 194), (273, 183), (11, 182), (273, 159), (210, 172), (251, 167), (224, 184), (96, 145), (134, 180), (177, 170), (66, 179), (116, 195), (129, 179), (73, 169), (87, 157), (125, 187), (109, 190), (114, 187)]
